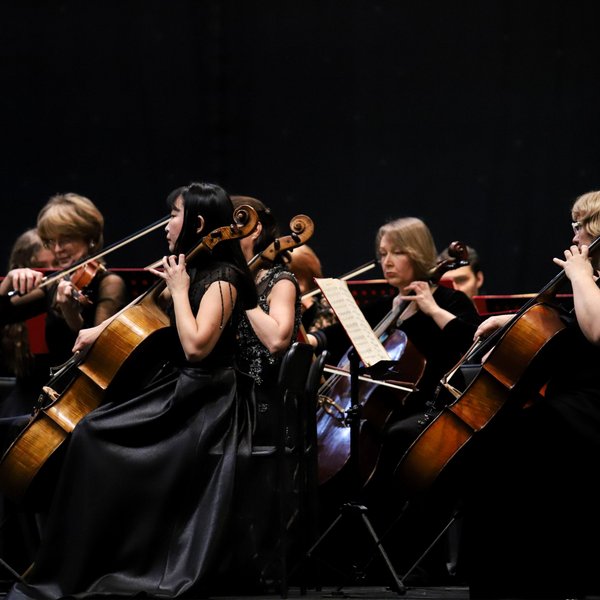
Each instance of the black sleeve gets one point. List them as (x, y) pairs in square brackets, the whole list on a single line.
[(16, 313)]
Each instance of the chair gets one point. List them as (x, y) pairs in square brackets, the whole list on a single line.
[(308, 465), (280, 466)]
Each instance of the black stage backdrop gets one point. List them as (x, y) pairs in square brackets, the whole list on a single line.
[(481, 117)]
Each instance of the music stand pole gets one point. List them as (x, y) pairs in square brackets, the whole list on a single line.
[(353, 508)]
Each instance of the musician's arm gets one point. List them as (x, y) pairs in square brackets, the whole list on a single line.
[(586, 295)]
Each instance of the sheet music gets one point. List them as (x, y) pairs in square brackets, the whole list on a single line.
[(368, 346)]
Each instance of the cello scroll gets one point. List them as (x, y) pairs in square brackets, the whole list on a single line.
[(302, 229)]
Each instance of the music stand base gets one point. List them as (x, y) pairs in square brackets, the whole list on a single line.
[(354, 510)]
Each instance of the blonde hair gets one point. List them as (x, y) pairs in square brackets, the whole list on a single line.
[(411, 236), (71, 215), (586, 210)]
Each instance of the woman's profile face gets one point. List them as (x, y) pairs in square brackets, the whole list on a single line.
[(396, 265), (175, 223)]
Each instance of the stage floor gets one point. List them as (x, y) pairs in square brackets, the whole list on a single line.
[(367, 593)]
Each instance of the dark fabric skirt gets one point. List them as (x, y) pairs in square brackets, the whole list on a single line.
[(143, 501)]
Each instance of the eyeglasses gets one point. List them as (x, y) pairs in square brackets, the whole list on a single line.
[(59, 241), (577, 226)]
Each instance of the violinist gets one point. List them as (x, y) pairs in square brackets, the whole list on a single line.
[(70, 226), (143, 503), (531, 514), (19, 360), (19, 534), (440, 323)]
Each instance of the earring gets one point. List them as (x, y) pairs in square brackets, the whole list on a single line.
[(92, 245)]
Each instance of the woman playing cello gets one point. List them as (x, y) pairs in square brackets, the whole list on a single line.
[(532, 512), (266, 332), (144, 496), (438, 321)]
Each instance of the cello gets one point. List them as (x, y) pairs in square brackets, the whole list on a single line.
[(518, 359), (302, 229), (333, 423), (139, 327)]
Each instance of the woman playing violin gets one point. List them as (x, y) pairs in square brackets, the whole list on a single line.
[(144, 499), (72, 227), (532, 512)]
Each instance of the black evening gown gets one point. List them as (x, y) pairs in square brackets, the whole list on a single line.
[(143, 501), (258, 550)]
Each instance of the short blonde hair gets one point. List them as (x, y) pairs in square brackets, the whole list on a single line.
[(586, 210), (71, 215), (412, 237)]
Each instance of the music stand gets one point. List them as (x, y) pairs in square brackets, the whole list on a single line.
[(353, 508)]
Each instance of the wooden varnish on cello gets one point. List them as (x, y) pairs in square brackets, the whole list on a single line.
[(377, 405), (139, 331), (518, 361), (333, 424)]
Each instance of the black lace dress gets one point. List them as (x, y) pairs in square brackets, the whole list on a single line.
[(256, 360), (143, 501), (257, 550)]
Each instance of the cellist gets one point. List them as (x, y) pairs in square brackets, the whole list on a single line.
[(266, 332), (532, 513), (440, 323), (143, 500)]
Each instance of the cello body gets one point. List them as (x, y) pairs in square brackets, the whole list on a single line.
[(514, 371), (139, 332), (377, 405), (109, 361)]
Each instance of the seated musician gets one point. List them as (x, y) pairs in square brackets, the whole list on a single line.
[(531, 514), (72, 227), (143, 503), (266, 332), (438, 321), (468, 279)]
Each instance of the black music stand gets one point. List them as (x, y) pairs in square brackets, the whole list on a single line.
[(353, 508)]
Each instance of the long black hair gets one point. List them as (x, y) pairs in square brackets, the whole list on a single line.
[(213, 204)]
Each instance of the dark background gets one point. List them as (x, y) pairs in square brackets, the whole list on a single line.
[(480, 117)]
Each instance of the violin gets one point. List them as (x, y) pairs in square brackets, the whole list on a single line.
[(87, 274), (82, 277), (139, 331), (377, 404)]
